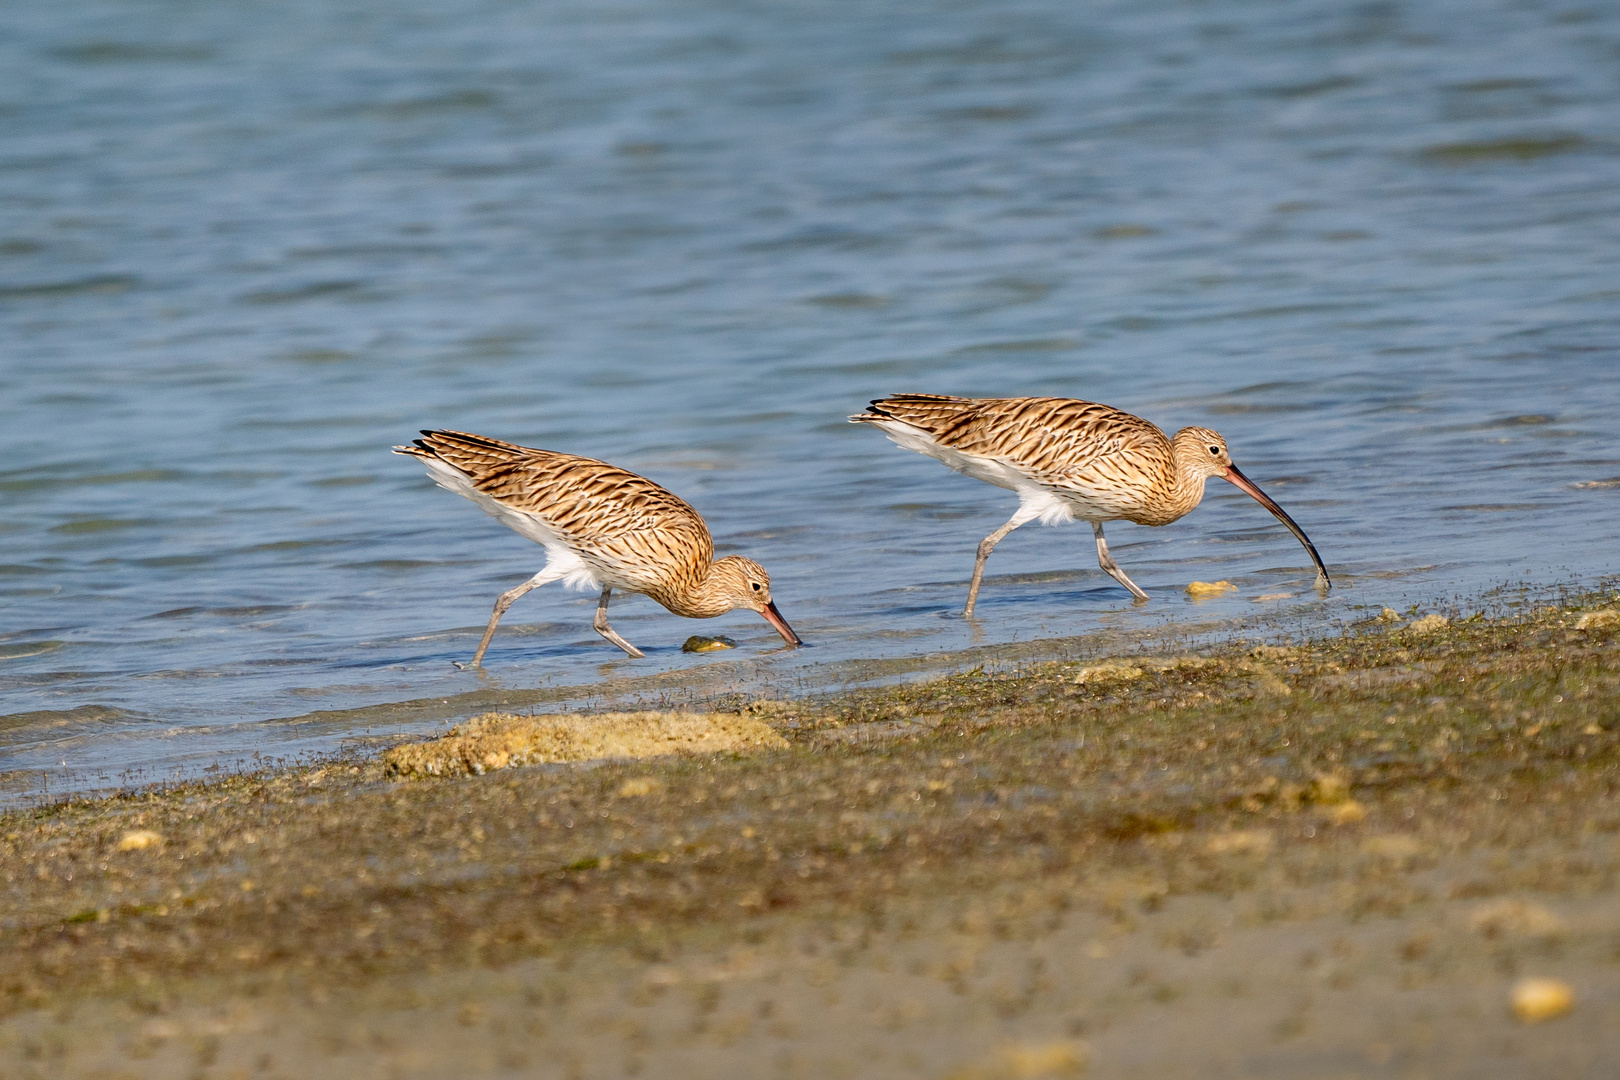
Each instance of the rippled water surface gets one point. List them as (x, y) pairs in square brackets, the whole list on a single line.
[(246, 248)]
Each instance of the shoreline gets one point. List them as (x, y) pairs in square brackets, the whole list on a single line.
[(725, 682), (309, 738), (1051, 860)]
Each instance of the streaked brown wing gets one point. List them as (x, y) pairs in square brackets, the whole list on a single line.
[(600, 509), (1057, 441)]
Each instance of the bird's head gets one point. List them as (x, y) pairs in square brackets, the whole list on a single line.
[(743, 583), (1201, 452)]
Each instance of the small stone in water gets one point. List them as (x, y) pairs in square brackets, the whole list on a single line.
[(698, 643)]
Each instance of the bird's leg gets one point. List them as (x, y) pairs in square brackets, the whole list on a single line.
[(1106, 561), (505, 601), (986, 546), (607, 631)]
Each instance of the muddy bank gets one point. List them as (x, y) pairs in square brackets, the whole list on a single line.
[(1335, 859)]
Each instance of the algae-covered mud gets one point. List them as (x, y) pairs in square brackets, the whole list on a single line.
[(1391, 853)]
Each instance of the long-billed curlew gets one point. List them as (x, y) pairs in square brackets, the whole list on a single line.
[(602, 528), (1069, 459)]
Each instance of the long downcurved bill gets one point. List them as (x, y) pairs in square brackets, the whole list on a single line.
[(774, 617), (1264, 500)]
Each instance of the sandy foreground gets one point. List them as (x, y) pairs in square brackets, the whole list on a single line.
[(1337, 860)]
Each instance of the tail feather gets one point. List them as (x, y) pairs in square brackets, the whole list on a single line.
[(895, 406), (937, 415), (438, 441), (479, 456)]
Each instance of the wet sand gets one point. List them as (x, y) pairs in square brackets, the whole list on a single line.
[(1334, 860)]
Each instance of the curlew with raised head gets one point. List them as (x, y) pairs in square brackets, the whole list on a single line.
[(1069, 459), (602, 527)]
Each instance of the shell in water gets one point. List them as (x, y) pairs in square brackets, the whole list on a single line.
[(699, 643)]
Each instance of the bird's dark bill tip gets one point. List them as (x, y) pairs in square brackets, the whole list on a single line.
[(774, 617)]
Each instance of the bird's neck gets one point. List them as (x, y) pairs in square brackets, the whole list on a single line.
[(1189, 491), (698, 596), (1186, 479)]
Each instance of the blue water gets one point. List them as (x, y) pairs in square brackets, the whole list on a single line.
[(246, 248)]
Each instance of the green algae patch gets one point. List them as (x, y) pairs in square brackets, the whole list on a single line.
[(1528, 148), (503, 740)]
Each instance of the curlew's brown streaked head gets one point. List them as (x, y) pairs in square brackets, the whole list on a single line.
[(1203, 453), (737, 582)]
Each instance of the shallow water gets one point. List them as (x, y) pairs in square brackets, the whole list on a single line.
[(243, 251)]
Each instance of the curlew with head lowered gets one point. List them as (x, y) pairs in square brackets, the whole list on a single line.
[(603, 527)]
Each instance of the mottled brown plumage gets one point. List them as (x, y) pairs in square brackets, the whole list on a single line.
[(1068, 459), (601, 525)]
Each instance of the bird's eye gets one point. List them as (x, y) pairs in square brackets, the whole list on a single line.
[(1215, 450), (756, 586)]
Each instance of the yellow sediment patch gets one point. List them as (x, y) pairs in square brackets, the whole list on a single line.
[(1515, 918), (1203, 590), (501, 740), (1246, 841), (1332, 792), (1598, 620), (639, 787), (1026, 1061), (1535, 1000), (139, 840), (1107, 673), (1347, 813), (1330, 789), (1168, 663), (1394, 847), (1429, 624)]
